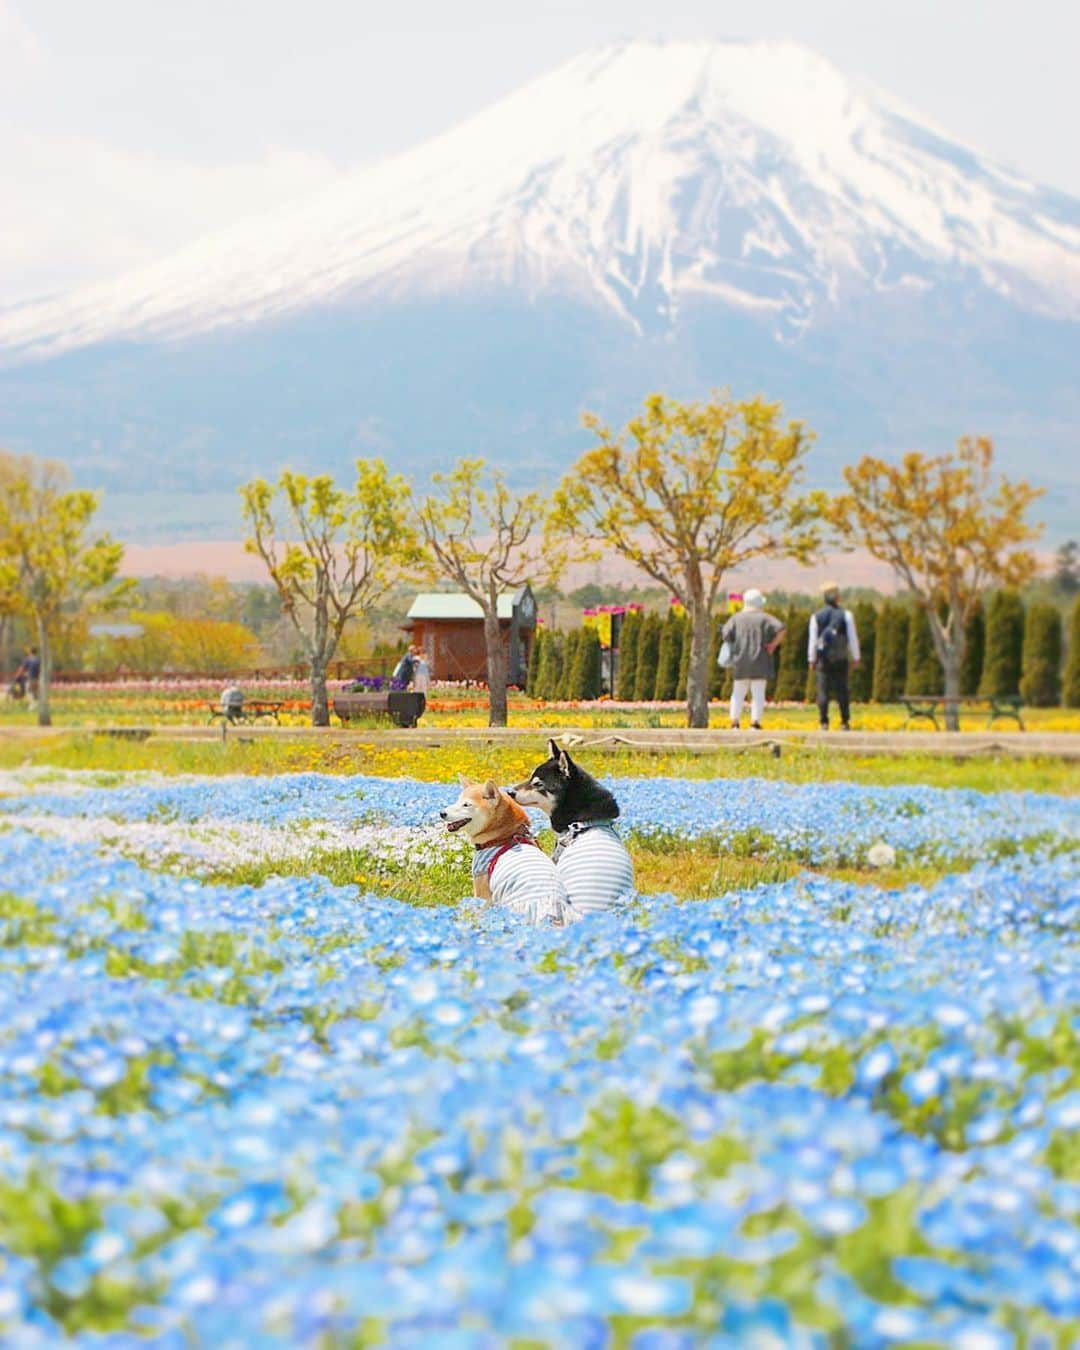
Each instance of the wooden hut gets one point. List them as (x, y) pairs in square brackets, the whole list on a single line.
[(449, 626)]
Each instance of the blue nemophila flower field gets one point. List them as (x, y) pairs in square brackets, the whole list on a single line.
[(806, 1114), (829, 823)]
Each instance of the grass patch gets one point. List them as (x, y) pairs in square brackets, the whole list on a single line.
[(442, 883), (509, 762)]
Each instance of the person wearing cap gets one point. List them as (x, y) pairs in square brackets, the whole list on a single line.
[(833, 652), (753, 636)]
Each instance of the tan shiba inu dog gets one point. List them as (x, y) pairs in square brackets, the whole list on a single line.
[(509, 867)]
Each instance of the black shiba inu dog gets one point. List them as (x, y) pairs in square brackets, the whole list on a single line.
[(565, 792)]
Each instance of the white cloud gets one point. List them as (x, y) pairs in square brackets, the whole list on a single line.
[(83, 209)]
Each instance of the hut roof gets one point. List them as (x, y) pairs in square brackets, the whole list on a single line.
[(455, 605)]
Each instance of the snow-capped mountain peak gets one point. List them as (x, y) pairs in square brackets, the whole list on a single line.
[(640, 178)]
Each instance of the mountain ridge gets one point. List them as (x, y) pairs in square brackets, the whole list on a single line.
[(624, 177), (683, 215)]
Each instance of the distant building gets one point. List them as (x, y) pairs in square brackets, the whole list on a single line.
[(449, 626)]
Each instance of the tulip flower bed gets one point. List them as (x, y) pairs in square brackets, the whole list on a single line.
[(299, 1113), (176, 701)]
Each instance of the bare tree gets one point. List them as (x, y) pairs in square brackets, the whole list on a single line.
[(476, 538)]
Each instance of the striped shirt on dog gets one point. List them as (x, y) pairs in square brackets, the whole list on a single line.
[(524, 881), (594, 866)]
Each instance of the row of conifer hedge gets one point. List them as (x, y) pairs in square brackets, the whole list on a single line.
[(1013, 649)]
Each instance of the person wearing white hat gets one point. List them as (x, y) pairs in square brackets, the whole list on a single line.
[(752, 636)]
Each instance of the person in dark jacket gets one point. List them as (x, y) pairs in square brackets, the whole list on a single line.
[(28, 676), (753, 637), (833, 653)]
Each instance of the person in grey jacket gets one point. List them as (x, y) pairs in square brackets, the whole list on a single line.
[(753, 637)]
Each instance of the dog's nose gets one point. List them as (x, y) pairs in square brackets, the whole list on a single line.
[(442, 815), (512, 792)]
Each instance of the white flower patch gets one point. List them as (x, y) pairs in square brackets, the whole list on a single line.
[(881, 854), (211, 844)]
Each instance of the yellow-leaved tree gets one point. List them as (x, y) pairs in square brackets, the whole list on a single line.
[(948, 530), (687, 491), (332, 553), (476, 537), (45, 544)]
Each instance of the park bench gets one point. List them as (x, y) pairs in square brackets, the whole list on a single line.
[(403, 707), (251, 710), (927, 706)]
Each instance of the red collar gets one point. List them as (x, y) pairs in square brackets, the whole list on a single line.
[(523, 836)]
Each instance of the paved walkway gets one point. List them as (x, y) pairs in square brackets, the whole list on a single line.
[(1061, 745)]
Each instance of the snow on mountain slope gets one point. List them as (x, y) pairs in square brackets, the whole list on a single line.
[(636, 178)]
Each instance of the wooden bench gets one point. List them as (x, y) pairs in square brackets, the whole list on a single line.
[(403, 707), (927, 706), (251, 710)]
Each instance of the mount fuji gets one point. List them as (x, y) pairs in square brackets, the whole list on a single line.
[(680, 216)]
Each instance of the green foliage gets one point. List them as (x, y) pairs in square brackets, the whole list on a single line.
[(862, 677), (686, 492), (626, 675), (923, 675), (549, 673), (974, 650), (539, 639), (792, 668), (1003, 659), (946, 526), (168, 642), (570, 651), (1071, 690), (669, 657), (332, 553), (648, 658), (39, 1223), (1067, 568), (586, 673), (890, 652), (621, 1146), (51, 569), (1040, 685), (474, 531)]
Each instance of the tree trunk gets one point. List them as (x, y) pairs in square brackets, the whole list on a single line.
[(949, 643), (44, 716), (697, 672), (320, 649), (496, 670), (951, 668), (320, 705)]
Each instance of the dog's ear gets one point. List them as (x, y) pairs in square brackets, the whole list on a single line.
[(553, 750), (464, 782), (491, 791), (564, 764)]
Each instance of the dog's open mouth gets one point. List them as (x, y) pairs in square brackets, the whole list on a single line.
[(452, 825)]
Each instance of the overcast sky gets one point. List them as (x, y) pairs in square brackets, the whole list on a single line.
[(129, 126)]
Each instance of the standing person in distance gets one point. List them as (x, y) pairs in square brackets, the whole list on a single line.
[(421, 677), (30, 674), (753, 636), (833, 652), (404, 670)]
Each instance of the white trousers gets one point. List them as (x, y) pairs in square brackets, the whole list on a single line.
[(739, 690)]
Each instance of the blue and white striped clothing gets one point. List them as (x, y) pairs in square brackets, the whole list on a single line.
[(594, 866), (525, 881)]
